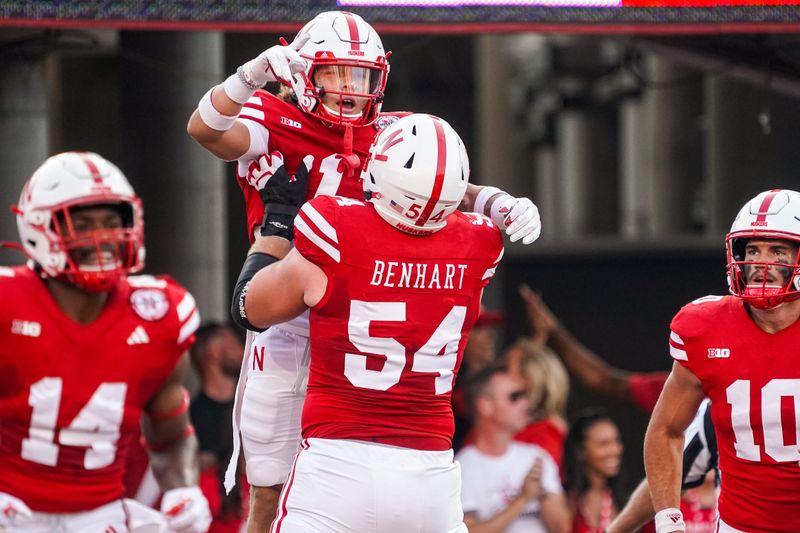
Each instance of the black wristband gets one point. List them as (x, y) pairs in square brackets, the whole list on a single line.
[(252, 264), (279, 221)]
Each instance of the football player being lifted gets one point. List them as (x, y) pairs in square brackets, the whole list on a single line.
[(333, 76), (87, 355)]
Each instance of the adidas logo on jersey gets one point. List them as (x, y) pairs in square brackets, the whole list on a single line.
[(289, 122), (26, 328), (138, 336), (719, 353)]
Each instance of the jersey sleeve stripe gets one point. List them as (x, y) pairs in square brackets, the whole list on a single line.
[(185, 307), (301, 226), (678, 354), (189, 327), (320, 222), (489, 273), (500, 256), (675, 347), (250, 112)]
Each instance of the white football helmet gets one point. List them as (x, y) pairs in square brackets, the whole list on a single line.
[(416, 173), (347, 51), (771, 214), (64, 183)]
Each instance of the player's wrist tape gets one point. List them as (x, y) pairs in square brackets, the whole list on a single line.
[(668, 520), (484, 195), (238, 88), (279, 221), (211, 117), (252, 264)]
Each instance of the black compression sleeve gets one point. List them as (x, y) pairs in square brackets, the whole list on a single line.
[(254, 262)]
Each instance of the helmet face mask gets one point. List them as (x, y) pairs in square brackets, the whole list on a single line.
[(766, 225), (346, 72), (416, 174), (80, 221)]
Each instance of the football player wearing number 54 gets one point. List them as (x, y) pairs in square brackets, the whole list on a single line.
[(742, 352), (87, 354), (332, 80), (392, 300)]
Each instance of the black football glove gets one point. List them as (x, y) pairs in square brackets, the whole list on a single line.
[(283, 195)]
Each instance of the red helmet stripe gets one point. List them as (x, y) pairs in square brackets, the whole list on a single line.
[(765, 203), (98, 179), (438, 184), (352, 25)]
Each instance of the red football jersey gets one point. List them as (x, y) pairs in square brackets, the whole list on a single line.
[(295, 134), (753, 380), (388, 335), (71, 395)]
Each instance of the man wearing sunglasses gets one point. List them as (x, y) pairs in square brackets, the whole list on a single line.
[(507, 486)]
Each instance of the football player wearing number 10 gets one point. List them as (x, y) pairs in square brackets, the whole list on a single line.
[(742, 352), (391, 303), (87, 354)]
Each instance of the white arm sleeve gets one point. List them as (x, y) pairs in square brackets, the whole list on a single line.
[(259, 140)]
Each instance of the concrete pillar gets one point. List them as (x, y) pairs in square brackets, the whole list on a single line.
[(588, 166), (661, 152), (545, 165), (182, 186), (23, 135), (500, 158)]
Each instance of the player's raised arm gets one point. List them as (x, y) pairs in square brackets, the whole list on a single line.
[(213, 124)]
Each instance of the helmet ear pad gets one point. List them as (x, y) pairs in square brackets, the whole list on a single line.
[(64, 185), (416, 173)]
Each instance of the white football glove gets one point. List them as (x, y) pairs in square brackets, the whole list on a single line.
[(277, 63), (519, 217), (12, 509), (267, 165), (186, 510)]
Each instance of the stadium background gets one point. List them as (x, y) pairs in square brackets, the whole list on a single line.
[(639, 132)]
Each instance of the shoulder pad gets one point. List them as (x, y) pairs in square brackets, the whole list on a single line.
[(696, 317)]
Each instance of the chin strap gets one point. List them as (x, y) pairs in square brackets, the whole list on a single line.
[(348, 161)]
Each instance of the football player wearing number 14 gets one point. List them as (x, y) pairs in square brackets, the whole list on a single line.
[(87, 353), (742, 352), (391, 303)]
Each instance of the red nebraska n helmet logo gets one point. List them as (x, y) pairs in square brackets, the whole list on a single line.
[(390, 141)]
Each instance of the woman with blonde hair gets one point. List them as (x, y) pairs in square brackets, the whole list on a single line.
[(547, 383)]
